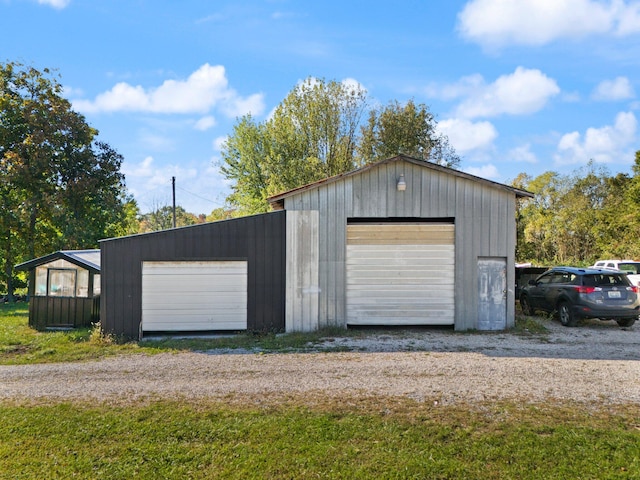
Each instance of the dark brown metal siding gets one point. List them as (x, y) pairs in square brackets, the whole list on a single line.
[(259, 239), (52, 312)]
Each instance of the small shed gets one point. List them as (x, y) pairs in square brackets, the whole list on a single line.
[(401, 242), (64, 289)]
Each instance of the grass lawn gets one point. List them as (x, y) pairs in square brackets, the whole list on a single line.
[(375, 438), (20, 344), (295, 437)]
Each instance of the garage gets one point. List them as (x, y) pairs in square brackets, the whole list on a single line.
[(194, 296), (400, 273), (399, 242)]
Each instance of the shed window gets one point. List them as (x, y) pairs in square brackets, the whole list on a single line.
[(82, 283), (96, 284), (41, 281), (62, 283)]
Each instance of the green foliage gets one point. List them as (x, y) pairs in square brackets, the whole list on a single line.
[(59, 186), (317, 132), (162, 219), (311, 135), (408, 129), (579, 218), (220, 214), (339, 438)]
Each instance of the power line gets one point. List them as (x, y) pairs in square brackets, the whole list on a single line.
[(200, 197)]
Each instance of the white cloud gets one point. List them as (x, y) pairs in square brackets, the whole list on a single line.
[(466, 136), (150, 183), (523, 92), (218, 142), (486, 171), (522, 153), (205, 123), (353, 85), (605, 144), (496, 23), (617, 89), (628, 18), (253, 104), (203, 90), (59, 4), (462, 88), (142, 169)]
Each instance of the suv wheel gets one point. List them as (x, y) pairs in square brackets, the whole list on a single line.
[(565, 313), (526, 306), (626, 322)]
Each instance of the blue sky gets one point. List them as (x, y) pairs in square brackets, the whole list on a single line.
[(517, 85)]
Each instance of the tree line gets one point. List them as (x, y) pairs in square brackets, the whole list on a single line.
[(579, 218), (62, 188), (321, 129)]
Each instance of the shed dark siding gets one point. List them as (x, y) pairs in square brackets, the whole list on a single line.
[(259, 239), (63, 312)]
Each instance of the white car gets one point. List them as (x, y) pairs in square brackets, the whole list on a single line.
[(631, 267)]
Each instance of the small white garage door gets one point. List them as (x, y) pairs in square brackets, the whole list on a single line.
[(194, 296), (400, 274)]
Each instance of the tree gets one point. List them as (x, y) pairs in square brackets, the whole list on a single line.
[(537, 217), (311, 135), (245, 154), (579, 218), (316, 132), (220, 213), (408, 129), (162, 219), (61, 188)]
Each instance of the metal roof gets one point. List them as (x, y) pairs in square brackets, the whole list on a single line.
[(89, 259)]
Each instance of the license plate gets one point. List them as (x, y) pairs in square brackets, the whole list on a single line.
[(615, 294)]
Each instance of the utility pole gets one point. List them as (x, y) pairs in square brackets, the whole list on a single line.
[(173, 189)]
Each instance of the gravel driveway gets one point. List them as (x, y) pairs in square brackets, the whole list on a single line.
[(597, 361)]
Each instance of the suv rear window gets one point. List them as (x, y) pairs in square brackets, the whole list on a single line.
[(604, 280), (632, 268)]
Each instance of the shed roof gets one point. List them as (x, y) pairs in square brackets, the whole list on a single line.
[(277, 200), (89, 259)]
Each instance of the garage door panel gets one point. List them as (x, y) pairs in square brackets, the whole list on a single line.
[(194, 268), (195, 325), (202, 283), (201, 297), (380, 276), (184, 305), (400, 274), (194, 296), (383, 295)]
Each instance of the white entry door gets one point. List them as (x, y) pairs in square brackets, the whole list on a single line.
[(492, 294)]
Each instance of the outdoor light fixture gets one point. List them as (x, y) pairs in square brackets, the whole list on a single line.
[(401, 185)]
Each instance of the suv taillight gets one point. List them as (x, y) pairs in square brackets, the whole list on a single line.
[(633, 288), (586, 290)]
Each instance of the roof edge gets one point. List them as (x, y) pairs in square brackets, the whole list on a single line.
[(61, 254), (276, 200)]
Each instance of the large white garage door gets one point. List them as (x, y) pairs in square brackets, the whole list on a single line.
[(400, 274), (194, 296)]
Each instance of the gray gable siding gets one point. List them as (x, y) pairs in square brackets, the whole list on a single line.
[(483, 213)]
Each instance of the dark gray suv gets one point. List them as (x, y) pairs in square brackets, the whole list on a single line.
[(576, 293)]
